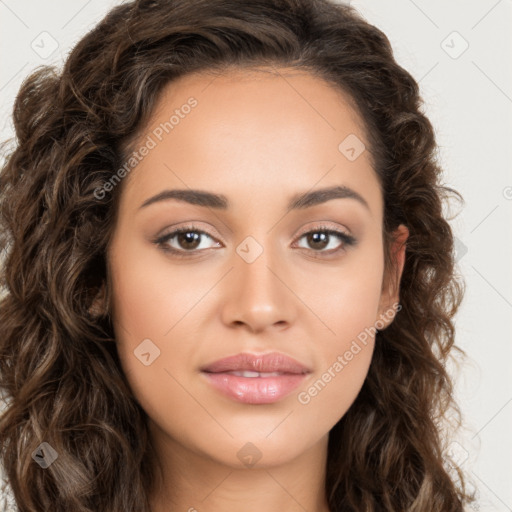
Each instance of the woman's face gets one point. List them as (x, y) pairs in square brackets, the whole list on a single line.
[(256, 273)]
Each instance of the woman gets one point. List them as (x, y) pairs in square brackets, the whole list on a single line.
[(229, 284)]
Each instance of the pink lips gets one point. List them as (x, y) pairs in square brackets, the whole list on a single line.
[(237, 377)]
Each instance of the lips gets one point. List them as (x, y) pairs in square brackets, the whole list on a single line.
[(256, 379), (265, 363)]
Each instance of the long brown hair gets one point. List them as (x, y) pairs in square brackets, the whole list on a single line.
[(60, 372)]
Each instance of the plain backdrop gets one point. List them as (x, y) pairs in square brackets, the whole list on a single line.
[(458, 51)]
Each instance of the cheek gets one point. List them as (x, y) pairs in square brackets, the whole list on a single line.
[(346, 298), (335, 386), (347, 303), (153, 295), (343, 346), (163, 303)]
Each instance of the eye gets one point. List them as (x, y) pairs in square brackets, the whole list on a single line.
[(184, 240), (323, 238)]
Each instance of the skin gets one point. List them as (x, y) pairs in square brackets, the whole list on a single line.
[(258, 138)]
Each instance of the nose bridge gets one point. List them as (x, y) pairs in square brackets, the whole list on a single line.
[(255, 262), (258, 296)]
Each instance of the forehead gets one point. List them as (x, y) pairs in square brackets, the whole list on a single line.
[(252, 132)]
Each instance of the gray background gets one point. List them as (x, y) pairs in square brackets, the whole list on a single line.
[(457, 50)]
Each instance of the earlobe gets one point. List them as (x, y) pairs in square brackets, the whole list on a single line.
[(390, 295)]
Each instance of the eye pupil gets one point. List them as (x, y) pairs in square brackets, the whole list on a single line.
[(315, 238), (190, 238)]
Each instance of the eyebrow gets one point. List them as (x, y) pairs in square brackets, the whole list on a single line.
[(220, 202)]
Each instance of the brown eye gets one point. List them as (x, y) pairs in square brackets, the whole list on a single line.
[(188, 239), (320, 239), (185, 240)]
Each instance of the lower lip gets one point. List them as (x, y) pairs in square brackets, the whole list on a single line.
[(255, 390)]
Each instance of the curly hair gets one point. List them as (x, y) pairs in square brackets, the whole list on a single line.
[(60, 373)]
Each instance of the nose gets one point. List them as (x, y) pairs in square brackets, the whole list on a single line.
[(258, 295)]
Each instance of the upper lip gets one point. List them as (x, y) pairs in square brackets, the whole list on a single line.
[(273, 362)]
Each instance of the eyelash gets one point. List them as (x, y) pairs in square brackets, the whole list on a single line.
[(348, 240)]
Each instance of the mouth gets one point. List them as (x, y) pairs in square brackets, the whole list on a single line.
[(251, 375), (255, 379)]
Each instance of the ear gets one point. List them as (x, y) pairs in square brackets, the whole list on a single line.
[(98, 306), (390, 293)]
